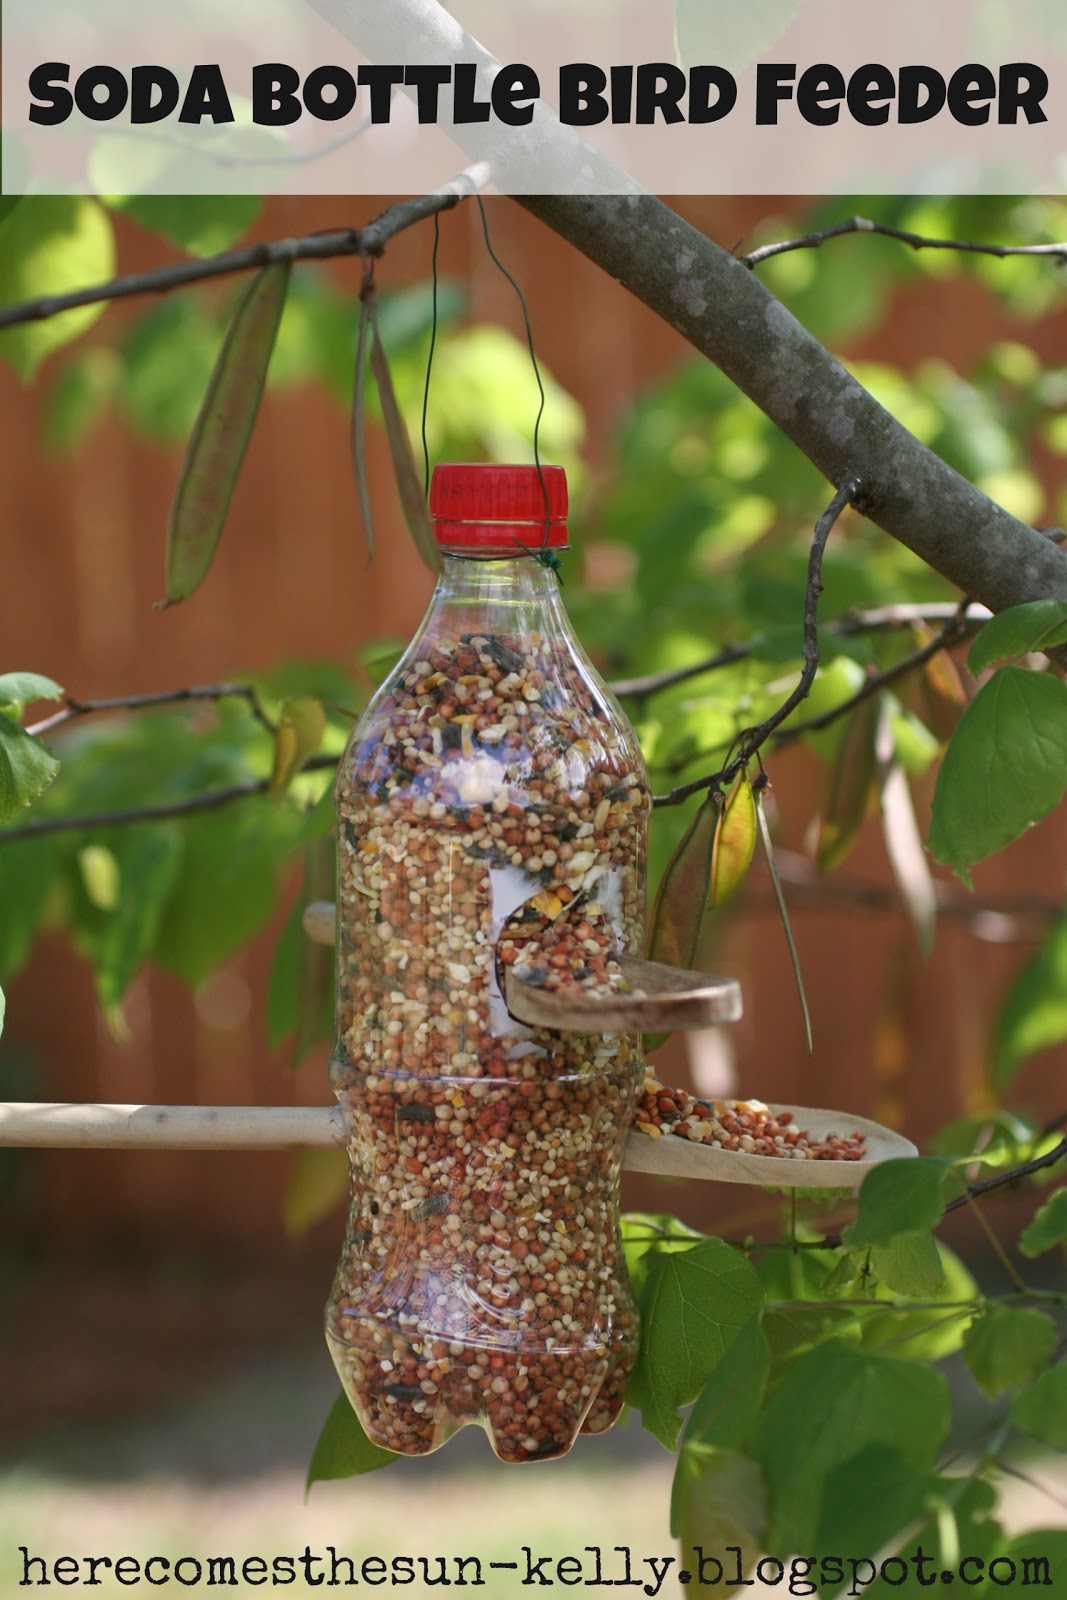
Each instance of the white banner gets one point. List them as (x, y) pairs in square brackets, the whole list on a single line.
[(557, 96)]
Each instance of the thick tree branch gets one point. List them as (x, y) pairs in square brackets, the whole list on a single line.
[(722, 309), (719, 305)]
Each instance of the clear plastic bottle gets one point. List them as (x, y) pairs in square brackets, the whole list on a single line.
[(492, 786)]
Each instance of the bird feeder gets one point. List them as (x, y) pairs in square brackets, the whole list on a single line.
[(492, 811)]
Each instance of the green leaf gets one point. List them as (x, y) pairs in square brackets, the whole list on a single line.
[(832, 1404), (301, 725), (730, 1400), (1040, 1557), (378, 661), (1007, 1346), (693, 1304), (996, 1138), (149, 863), (910, 1264), (26, 768), (903, 841), (318, 1183), (409, 488), (735, 841), (100, 876), (343, 1449), (223, 428), (732, 33), (922, 1334), (902, 1196), (718, 1502), (79, 395), (852, 786), (1047, 1228), (1034, 1014), (683, 890), (1005, 767), (322, 818), (783, 912), (159, 395), (869, 1498), (228, 885), (202, 224), (1042, 1408), (1038, 625), (28, 870), (793, 1330), (300, 990), (51, 244), (23, 688), (842, 1275), (644, 1234)]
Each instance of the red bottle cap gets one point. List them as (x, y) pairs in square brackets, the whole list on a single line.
[(481, 506)]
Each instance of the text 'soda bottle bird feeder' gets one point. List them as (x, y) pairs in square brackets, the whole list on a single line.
[(492, 807)]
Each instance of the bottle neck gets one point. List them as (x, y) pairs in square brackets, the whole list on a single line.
[(500, 582)]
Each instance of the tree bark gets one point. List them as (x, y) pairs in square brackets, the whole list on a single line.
[(728, 315), (723, 310)]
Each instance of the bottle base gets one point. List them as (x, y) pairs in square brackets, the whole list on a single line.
[(532, 1408)]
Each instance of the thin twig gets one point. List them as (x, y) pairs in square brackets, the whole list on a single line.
[(280, 158), (878, 620), (138, 702), (751, 739), (368, 241), (917, 241), (1032, 1483), (953, 631), (995, 1245), (1000, 1180), (1028, 915), (154, 813)]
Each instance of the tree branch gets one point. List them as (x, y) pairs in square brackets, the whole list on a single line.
[(1000, 1180), (996, 918), (880, 619), (209, 801), (917, 241), (953, 631), (727, 314), (368, 241), (139, 702), (723, 310), (750, 740)]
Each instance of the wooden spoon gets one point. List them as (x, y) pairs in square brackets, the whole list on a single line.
[(671, 998), (677, 999), (673, 1157)]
